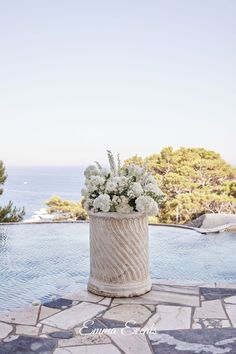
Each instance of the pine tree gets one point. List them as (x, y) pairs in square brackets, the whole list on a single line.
[(8, 213), (195, 181)]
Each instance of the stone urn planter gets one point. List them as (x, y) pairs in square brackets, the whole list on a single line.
[(119, 254)]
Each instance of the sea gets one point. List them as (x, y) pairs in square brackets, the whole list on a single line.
[(32, 187)]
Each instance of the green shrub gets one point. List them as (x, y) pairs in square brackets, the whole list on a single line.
[(66, 209)]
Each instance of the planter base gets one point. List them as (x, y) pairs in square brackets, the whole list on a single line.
[(119, 254), (119, 290)]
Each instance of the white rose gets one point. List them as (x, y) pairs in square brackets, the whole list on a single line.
[(111, 186), (116, 200), (102, 202), (136, 188), (124, 209), (122, 183)]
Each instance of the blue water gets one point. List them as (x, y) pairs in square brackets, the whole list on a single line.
[(40, 261), (31, 187)]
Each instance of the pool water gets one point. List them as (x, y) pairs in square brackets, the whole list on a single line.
[(45, 260)]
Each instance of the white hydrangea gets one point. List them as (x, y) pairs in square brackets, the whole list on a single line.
[(84, 192), (122, 182), (136, 171), (88, 204), (95, 183), (102, 203), (105, 172), (121, 204), (154, 209), (150, 179), (111, 186), (153, 188), (135, 190), (146, 204), (91, 171), (124, 208)]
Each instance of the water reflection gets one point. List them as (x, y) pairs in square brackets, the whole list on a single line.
[(39, 261)]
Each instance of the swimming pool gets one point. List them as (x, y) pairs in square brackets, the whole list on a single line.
[(42, 260)]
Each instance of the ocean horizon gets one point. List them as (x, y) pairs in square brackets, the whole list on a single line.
[(32, 186)]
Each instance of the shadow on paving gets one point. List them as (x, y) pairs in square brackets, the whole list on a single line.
[(215, 341)]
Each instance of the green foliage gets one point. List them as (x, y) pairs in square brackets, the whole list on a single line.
[(3, 176), (195, 181), (66, 209), (153, 220), (137, 160), (8, 213)]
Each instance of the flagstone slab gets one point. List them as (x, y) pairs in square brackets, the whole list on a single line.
[(87, 339), (209, 341), (167, 310), (199, 323), (46, 312), (87, 327), (230, 300), (27, 316), (231, 311), (151, 307), (73, 316), (169, 318), (61, 334), (190, 290), (83, 295), (27, 330), (114, 324), (90, 349), (5, 329), (155, 297), (60, 303), (47, 329), (217, 293), (128, 312), (131, 343), (210, 309), (28, 345), (106, 301)]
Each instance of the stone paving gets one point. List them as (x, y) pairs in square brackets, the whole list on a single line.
[(172, 318)]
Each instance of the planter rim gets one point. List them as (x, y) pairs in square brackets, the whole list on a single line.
[(115, 215)]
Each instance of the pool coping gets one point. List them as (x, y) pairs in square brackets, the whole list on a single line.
[(227, 227)]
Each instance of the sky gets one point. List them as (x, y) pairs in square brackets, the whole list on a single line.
[(80, 77)]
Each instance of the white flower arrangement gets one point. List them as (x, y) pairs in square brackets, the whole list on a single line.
[(122, 189)]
